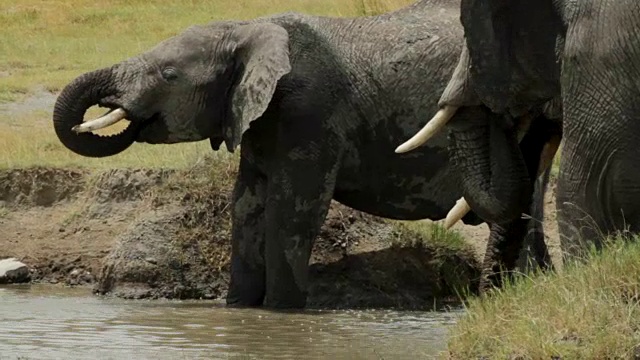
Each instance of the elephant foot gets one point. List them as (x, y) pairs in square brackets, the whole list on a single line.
[(247, 285), (283, 291), (492, 279), (236, 301), (294, 299)]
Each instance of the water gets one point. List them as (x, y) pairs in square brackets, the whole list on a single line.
[(45, 322)]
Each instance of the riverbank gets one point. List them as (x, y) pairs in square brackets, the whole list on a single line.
[(589, 311), (137, 233)]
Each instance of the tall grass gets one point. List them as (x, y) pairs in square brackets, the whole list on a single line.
[(45, 44), (589, 311)]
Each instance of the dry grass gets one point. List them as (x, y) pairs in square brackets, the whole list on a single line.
[(45, 44), (589, 311)]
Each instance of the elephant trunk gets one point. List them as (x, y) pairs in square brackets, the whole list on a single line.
[(85, 91), (494, 176)]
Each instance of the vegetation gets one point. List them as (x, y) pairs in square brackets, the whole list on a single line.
[(45, 44), (416, 233), (589, 311)]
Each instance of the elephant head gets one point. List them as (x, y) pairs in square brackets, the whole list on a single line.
[(508, 74), (208, 82)]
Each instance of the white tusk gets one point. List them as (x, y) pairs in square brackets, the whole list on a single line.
[(100, 123), (457, 212), (439, 120)]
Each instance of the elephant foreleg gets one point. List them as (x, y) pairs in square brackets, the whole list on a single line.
[(247, 284), (503, 249), (298, 202)]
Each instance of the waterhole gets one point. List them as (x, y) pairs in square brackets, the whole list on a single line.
[(47, 322)]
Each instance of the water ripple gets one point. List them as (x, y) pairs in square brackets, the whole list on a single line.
[(52, 323)]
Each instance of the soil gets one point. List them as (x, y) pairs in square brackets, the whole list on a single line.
[(156, 234)]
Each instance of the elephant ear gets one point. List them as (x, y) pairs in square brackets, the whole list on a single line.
[(458, 91), (262, 56)]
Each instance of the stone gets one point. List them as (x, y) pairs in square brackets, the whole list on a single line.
[(13, 271)]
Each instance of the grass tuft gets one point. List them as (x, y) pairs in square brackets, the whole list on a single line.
[(589, 311), (419, 233)]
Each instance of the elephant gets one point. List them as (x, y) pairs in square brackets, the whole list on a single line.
[(582, 55), (316, 105)]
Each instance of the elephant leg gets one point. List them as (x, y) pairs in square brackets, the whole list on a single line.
[(506, 241), (503, 249), (247, 284), (535, 247), (298, 202)]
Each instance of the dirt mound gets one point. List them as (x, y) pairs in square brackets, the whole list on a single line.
[(358, 261), (39, 186), (148, 262), (62, 222), (118, 185)]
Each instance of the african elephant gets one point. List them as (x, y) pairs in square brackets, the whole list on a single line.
[(316, 103), (582, 54)]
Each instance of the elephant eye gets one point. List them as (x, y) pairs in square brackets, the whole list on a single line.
[(169, 74)]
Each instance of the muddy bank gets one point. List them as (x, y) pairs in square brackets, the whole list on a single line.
[(153, 234), (358, 261)]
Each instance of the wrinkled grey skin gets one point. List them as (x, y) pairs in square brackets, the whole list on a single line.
[(318, 105), (523, 54)]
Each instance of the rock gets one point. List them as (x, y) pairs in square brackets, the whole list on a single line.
[(152, 260), (13, 271), (79, 277)]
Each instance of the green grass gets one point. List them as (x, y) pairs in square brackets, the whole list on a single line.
[(35, 144), (589, 311), (46, 44), (433, 234)]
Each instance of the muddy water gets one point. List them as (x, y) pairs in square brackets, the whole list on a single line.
[(44, 322)]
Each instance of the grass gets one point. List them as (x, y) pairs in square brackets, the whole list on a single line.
[(45, 44), (433, 234), (589, 311), (33, 143)]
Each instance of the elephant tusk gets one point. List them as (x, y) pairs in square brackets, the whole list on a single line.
[(439, 120), (457, 212), (100, 123)]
